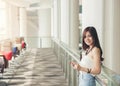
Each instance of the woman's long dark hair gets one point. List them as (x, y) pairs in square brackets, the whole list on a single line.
[(94, 35)]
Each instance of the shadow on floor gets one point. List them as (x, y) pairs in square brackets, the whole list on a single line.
[(2, 83)]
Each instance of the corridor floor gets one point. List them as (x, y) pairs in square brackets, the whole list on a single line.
[(38, 67)]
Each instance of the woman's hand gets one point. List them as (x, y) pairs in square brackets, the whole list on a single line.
[(76, 66)]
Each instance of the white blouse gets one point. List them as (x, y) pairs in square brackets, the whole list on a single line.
[(87, 62)]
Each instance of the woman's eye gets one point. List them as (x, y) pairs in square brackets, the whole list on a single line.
[(89, 35)]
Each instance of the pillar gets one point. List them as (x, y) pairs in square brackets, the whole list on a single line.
[(64, 30), (12, 21), (112, 34), (116, 39), (56, 20), (23, 21), (74, 24)]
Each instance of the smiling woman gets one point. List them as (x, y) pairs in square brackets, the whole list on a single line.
[(90, 64)]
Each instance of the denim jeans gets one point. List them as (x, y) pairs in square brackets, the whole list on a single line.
[(86, 79)]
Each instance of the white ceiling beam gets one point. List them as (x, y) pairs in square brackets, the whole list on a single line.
[(27, 3), (19, 3), (33, 1)]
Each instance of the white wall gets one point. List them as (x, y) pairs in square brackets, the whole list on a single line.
[(45, 26), (44, 22), (39, 25), (32, 24), (92, 15)]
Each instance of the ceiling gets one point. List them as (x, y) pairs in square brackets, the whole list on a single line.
[(30, 3)]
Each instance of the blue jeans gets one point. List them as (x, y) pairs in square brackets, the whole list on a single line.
[(86, 79)]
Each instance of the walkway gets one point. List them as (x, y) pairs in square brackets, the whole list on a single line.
[(38, 67)]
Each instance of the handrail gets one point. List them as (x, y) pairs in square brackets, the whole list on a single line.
[(68, 51), (75, 56), (106, 78), (100, 81), (38, 42)]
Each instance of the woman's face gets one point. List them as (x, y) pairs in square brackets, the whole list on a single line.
[(88, 39)]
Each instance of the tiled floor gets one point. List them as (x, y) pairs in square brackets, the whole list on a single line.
[(38, 67)]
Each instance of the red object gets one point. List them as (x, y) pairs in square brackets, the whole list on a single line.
[(23, 44), (8, 55)]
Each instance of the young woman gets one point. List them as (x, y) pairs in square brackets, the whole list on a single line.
[(90, 64)]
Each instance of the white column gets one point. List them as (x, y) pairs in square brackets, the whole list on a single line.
[(65, 21), (92, 15), (59, 18), (55, 19), (23, 21), (74, 24), (116, 35), (12, 21), (112, 34), (116, 41), (56, 26), (52, 21), (108, 29)]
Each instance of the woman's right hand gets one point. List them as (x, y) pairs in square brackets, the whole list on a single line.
[(76, 66)]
